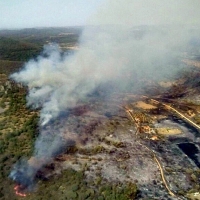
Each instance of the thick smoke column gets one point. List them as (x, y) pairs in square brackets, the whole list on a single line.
[(142, 39)]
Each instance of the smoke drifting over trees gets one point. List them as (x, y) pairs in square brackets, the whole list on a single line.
[(138, 39), (56, 82)]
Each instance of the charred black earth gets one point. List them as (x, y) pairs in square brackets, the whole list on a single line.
[(114, 143)]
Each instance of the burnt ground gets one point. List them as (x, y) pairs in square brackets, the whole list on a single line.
[(133, 139), (109, 149), (102, 156), (105, 151)]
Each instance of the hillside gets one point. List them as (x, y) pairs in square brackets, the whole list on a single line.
[(16, 50), (122, 147)]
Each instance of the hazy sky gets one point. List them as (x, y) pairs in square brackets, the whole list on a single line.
[(45, 13), (148, 12), (39, 13)]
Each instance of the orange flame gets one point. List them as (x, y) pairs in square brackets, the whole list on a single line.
[(17, 191)]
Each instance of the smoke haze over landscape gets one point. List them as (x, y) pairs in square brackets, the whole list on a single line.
[(107, 51), (135, 39)]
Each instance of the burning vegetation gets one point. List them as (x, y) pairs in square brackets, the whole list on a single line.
[(119, 143), (131, 139), (116, 119), (19, 190)]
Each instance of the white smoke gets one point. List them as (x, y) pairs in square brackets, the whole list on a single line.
[(56, 83), (106, 54), (130, 40), (109, 49)]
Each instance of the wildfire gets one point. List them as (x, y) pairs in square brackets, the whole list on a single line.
[(17, 189), (154, 138)]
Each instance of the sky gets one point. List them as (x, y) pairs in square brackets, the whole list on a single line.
[(56, 13), (46, 13), (148, 12)]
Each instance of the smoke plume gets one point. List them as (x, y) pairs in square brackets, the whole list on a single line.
[(126, 41)]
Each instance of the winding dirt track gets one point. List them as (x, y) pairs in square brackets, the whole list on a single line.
[(155, 157), (177, 113), (152, 153)]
